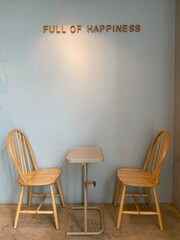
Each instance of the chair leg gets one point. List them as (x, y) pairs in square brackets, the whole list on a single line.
[(19, 206), (60, 192), (29, 196), (54, 207), (117, 192), (158, 209), (121, 206), (149, 196)]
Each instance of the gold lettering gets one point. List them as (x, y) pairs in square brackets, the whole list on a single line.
[(92, 28), (118, 28), (51, 28), (72, 29), (89, 28), (78, 28), (57, 29), (102, 27), (131, 28), (96, 28), (108, 27), (124, 28), (45, 28), (138, 28), (63, 30)]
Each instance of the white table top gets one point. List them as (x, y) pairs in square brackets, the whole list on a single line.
[(85, 155)]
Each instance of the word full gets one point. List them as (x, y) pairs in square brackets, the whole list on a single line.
[(62, 29)]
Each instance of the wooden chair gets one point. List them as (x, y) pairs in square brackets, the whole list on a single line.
[(29, 175), (148, 177)]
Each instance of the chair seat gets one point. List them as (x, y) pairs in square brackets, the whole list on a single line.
[(41, 177), (135, 177)]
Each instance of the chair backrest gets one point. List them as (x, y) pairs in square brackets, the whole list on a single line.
[(21, 153), (156, 155)]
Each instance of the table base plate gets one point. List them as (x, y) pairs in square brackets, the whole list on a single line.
[(86, 233)]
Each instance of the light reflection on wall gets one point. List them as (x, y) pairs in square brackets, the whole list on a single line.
[(77, 58)]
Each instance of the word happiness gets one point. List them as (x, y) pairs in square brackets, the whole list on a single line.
[(91, 28)]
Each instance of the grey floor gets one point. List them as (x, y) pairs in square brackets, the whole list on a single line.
[(133, 227)]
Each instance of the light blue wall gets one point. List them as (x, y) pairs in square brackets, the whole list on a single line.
[(113, 90)]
